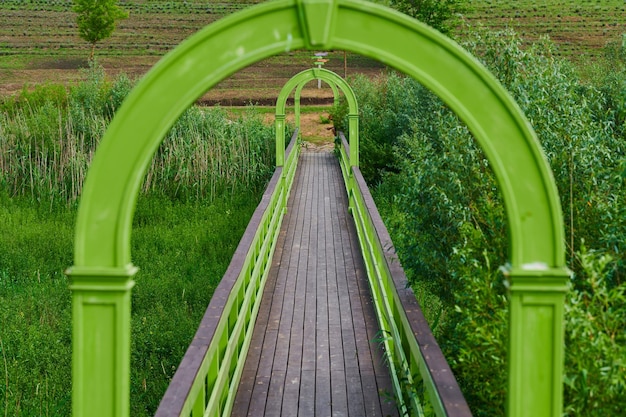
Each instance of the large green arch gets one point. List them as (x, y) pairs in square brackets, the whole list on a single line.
[(298, 81), (102, 273)]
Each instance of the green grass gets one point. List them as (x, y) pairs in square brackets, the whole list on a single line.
[(199, 193), (182, 249), (34, 308)]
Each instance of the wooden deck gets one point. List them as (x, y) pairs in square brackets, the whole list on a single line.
[(314, 349)]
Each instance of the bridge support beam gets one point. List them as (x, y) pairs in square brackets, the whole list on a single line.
[(536, 341), (101, 340)]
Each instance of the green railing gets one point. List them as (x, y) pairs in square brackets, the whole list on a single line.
[(207, 378), (423, 382)]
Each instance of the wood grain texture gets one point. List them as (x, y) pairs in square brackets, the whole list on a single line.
[(314, 349)]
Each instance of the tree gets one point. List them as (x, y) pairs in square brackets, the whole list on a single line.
[(96, 20), (440, 14)]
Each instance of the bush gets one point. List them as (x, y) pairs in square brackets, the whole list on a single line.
[(439, 199), (200, 191), (595, 346)]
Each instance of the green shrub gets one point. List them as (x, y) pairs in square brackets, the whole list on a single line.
[(387, 107), (440, 201), (595, 348), (199, 193)]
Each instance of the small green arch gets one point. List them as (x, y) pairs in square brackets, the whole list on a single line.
[(298, 93), (101, 278), (298, 81)]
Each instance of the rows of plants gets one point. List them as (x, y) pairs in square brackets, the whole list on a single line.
[(136, 6), (590, 23), (152, 27), (440, 201), (579, 27), (197, 198)]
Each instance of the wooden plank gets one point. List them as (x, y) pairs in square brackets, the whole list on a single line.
[(259, 396), (306, 403), (339, 394), (273, 406), (291, 394), (244, 393), (315, 354), (322, 368)]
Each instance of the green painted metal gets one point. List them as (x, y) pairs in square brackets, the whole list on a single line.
[(298, 93), (332, 79), (102, 272), (101, 297)]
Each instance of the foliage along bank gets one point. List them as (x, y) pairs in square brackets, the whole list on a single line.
[(199, 193), (440, 200)]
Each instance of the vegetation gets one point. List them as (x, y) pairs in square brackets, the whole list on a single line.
[(47, 137), (440, 201), (41, 36), (440, 14), (204, 183), (96, 20), (579, 28), (39, 43), (436, 192)]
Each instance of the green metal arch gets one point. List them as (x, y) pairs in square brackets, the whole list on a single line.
[(111, 188), (298, 93), (297, 82), (102, 273)]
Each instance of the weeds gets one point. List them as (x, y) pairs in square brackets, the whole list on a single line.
[(441, 204), (200, 191), (48, 137)]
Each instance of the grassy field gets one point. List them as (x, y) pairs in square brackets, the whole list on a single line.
[(580, 28), (39, 41), (199, 192), (39, 44)]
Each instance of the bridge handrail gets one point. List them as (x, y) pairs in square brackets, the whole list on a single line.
[(207, 378), (414, 357)]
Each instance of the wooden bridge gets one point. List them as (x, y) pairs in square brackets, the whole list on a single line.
[(316, 347), (307, 295)]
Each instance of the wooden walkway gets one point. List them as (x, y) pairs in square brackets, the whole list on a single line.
[(314, 349)]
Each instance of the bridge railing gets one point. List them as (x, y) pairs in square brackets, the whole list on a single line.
[(423, 382), (206, 381)]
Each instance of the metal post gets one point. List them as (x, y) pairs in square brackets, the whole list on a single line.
[(353, 129), (296, 106), (101, 340), (536, 342), (280, 140)]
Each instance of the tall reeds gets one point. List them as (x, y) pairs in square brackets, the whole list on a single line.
[(48, 137)]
